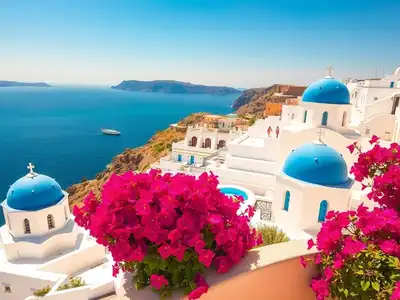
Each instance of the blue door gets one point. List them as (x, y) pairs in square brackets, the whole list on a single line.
[(192, 160), (323, 209), (287, 201), (179, 157), (392, 84), (305, 117), (324, 118)]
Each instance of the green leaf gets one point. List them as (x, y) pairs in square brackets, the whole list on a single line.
[(346, 292), (365, 285), (376, 286), (359, 272)]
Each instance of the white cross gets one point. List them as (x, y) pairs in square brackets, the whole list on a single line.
[(330, 69), (30, 167), (320, 134)]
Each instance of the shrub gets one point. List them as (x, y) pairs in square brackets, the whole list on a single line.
[(42, 292), (360, 250), (159, 147), (73, 283), (271, 235), (167, 229)]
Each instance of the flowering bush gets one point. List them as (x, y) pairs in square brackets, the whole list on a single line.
[(167, 229), (359, 250)]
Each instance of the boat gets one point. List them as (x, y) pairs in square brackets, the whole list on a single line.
[(110, 132)]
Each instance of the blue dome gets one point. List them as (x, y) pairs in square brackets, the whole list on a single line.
[(318, 164), (34, 192), (327, 91)]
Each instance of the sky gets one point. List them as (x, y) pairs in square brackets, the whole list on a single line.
[(242, 44)]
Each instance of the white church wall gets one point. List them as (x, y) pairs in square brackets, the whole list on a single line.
[(383, 105), (379, 125), (51, 246), (338, 115), (267, 150), (291, 218), (21, 286), (338, 200), (38, 219), (77, 260)]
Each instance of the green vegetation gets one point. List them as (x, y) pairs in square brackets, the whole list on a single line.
[(159, 147), (252, 121), (271, 235), (73, 283), (42, 292)]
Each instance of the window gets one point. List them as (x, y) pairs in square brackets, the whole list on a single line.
[(292, 116), (344, 118), (221, 144), (287, 201), (65, 213), (7, 289), (323, 209), (324, 120), (367, 130), (27, 226), (50, 221), (375, 98), (305, 117)]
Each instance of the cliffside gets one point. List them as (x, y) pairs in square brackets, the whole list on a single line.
[(252, 101), (173, 87), (138, 158), (5, 83)]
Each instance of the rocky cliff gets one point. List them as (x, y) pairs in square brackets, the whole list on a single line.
[(173, 87), (5, 83), (138, 159), (252, 101)]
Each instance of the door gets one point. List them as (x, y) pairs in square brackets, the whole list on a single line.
[(305, 117), (395, 104), (323, 209), (192, 160), (179, 157)]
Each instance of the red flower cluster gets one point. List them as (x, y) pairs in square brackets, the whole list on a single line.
[(359, 251), (172, 213)]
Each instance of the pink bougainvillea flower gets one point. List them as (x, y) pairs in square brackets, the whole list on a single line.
[(396, 292), (303, 262), (310, 244), (206, 257), (165, 251), (352, 247), (158, 281), (374, 140), (197, 292), (338, 261), (352, 147), (328, 273), (320, 287)]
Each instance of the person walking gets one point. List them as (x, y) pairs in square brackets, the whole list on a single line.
[(277, 131), (269, 130)]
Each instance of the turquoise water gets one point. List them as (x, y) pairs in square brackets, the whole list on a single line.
[(230, 191), (58, 128)]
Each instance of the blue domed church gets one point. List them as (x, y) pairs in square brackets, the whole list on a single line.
[(314, 179), (326, 103), (35, 209)]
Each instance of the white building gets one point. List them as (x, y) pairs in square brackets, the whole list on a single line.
[(201, 142), (374, 105), (40, 245)]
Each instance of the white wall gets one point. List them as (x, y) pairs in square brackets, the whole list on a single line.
[(77, 260), (51, 246), (268, 150), (251, 165), (21, 286), (379, 125), (38, 219)]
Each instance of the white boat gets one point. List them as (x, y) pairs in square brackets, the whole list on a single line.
[(110, 132)]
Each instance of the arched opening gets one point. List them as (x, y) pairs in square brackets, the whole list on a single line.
[(286, 204), (324, 120), (194, 141), (323, 209), (305, 117), (221, 144), (207, 143), (344, 119), (27, 226), (50, 222)]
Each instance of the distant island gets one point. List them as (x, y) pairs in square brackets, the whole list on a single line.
[(173, 87), (5, 83)]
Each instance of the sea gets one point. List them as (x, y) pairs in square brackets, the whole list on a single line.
[(57, 129)]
